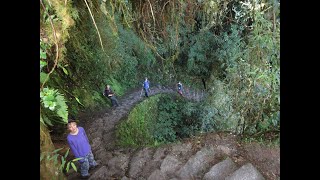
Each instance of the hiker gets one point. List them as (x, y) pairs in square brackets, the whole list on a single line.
[(110, 94), (80, 147), (179, 85), (146, 87)]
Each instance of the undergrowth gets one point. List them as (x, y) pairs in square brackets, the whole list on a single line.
[(157, 120)]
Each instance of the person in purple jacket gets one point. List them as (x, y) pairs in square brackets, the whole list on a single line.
[(80, 147)]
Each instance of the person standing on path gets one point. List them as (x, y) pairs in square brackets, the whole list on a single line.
[(179, 86), (146, 87), (80, 147)]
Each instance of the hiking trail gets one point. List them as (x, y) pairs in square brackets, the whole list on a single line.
[(211, 156)]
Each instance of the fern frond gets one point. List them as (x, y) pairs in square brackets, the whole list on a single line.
[(62, 108), (46, 121)]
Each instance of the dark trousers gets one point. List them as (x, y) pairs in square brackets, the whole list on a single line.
[(146, 91), (114, 101)]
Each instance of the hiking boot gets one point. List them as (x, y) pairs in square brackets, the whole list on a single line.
[(93, 167)]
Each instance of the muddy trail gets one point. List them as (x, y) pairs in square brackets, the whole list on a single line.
[(208, 156)]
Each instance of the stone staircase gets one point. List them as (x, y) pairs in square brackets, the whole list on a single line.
[(167, 162), (171, 162)]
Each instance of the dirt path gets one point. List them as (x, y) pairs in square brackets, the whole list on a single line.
[(101, 126), (194, 158)]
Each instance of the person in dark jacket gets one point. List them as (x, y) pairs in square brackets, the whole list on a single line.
[(110, 94), (179, 86)]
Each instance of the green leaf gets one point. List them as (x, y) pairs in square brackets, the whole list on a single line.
[(64, 70), (51, 108), (65, 156), (79, 101), (41, 94), (42, 64), (43, 54), (55, 151), (62, 108), (68, 166), (63, 161), (76, 159), (73, 166), (47, 121), (43, 77), (49, 97), (54, 157)]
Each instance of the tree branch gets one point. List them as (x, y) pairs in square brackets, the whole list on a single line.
[(154, 20), (94, 24)]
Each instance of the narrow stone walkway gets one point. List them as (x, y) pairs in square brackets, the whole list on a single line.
[(172, 161)]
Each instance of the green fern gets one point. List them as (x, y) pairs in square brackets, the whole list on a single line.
[(62, 108), (55, 101), (45, 120)]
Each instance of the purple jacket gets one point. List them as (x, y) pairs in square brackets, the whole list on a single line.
[(79, 144)]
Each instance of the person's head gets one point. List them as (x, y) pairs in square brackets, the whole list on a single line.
[(146, 78), (108, 86), (72, 125)]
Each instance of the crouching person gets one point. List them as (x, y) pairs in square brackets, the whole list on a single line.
[(110, 94)]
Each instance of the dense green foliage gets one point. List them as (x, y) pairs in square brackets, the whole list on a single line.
[(159, 119), (231, 42), (229, 48)]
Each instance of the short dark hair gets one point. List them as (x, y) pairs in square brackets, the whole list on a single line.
[(71, 120)]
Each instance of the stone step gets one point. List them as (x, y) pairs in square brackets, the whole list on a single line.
[(117, 166), (245, 172), (155, 162), (198, 163), (221, 170), (100, 174), (157, 175), (170, 165), (138, 161)]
